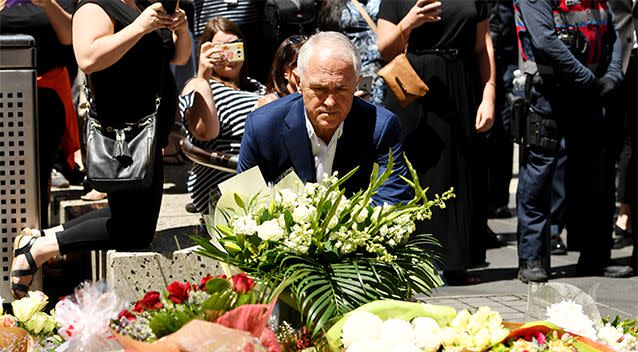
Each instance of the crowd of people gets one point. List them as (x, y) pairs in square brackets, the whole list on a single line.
[(556, 76)]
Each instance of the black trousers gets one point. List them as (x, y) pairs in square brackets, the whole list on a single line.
[(51, 125), (128, 223)]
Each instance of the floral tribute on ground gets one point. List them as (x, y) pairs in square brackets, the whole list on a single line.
[(234, 302), (338, 253)]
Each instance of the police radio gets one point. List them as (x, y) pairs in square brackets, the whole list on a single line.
[(573, 39)]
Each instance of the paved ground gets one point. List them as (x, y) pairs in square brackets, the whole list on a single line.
[(499, 288)]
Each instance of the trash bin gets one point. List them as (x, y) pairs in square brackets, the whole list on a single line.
[(19, 193)]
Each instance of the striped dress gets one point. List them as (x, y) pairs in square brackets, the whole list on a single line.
[(232, 108), (241, 12)]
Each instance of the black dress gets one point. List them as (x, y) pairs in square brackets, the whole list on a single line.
[(441, 141)]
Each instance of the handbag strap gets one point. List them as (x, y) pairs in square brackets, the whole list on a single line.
[(373, 26), (365, 15)]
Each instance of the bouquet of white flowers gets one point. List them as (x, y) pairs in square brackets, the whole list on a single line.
[(337, 252)]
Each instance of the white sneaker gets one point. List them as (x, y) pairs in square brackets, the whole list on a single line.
[(58, 180)]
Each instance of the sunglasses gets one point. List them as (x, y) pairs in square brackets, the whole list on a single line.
[(297, 38)]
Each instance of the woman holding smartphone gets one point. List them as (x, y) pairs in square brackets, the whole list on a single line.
[(449, 46), (125, 51), (214, 105)]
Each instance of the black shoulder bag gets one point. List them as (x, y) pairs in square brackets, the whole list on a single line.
[(123, 158)]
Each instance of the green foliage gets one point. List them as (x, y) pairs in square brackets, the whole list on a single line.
[(168, 321), (629, 326)]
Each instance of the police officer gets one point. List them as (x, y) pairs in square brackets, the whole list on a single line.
[(570, 55)]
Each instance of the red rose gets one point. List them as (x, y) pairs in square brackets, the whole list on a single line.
[(138, 307), (126, 314), (151, 301), (178, 292), (242, 283)]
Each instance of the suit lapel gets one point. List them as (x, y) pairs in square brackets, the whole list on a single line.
[(297, 144)]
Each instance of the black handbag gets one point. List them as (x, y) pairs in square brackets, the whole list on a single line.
[(123, 158)]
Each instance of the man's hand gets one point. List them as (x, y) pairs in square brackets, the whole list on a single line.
[(606, 86)]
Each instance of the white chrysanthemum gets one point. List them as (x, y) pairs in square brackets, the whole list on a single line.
[(609, 334), (570, 316), (427, 334), (270, 230), (361, 326), (245, 225), (397, 330), (365, 346)]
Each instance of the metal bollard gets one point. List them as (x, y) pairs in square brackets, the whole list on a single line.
[(19, 193)]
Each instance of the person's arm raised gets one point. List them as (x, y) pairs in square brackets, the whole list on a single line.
[(95, 44), (201, 117), (392, 38), (181, 37), (59, 18)]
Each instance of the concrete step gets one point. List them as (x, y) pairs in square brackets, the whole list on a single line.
[(135, 273)]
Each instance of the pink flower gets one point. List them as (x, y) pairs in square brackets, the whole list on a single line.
[(242, 283), (540, 338)]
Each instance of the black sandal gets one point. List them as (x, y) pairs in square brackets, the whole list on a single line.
[(20, 290)]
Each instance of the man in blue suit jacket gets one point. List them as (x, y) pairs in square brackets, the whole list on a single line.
[(326, 128)]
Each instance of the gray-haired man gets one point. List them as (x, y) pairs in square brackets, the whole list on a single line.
[(326, 128)]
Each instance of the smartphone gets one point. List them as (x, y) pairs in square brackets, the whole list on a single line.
[(169, 6), (233, 52), (365, 84)]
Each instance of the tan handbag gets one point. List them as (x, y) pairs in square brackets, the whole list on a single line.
[(398, 74), (403, 81)]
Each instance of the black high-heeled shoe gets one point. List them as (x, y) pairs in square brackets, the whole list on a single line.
[(621, 232), (20, 290), (623, 237)]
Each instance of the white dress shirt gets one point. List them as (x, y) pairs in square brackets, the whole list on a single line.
[(324, 154)]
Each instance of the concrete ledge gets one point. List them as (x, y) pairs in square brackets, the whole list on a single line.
[(59, 195), (71, 209), (139, 272)]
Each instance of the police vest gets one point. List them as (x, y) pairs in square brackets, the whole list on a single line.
[(582, 25)]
